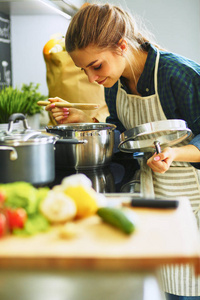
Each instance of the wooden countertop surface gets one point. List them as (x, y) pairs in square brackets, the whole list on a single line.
[(162, 236)]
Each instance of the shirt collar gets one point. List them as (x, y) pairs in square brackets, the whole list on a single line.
[(145, 84)]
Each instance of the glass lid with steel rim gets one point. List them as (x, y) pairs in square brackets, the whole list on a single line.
[(154, 136), (25, 136)]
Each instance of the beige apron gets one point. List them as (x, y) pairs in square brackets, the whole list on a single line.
[(180, 180)]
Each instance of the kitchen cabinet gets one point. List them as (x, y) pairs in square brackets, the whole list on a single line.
[(101, 262), (5, 51), (39, 7)]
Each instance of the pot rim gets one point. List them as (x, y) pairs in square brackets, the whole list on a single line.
[(82, 127)]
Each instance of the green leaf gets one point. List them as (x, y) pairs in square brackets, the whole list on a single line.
[(13, 100), (24, 194)]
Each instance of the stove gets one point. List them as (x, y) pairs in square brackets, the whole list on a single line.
[(118, 177)]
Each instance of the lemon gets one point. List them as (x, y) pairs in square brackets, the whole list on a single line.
[(84, 198), (49, 45)]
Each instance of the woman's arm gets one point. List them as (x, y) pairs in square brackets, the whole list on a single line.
[(180, 99)]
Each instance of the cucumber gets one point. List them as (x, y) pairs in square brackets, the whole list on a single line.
[(121, 218)]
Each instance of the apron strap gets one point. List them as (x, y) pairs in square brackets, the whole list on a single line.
[(156, 72), (146, 179)]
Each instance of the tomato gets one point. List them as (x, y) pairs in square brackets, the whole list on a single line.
[(16, 217), (3, 225)]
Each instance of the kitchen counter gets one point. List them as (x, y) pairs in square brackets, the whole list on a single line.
[(162, 236), (101, 262)]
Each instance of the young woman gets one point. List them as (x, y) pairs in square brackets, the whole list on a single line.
[(143, 83)]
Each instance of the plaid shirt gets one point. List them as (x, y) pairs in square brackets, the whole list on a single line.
[(178, 89)]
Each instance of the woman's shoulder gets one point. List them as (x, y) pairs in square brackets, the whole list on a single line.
[(170, 59), (177, 63), (177, 70)]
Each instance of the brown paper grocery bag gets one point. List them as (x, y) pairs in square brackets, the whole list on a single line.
[(68, 82)]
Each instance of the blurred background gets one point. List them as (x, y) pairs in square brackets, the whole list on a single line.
[(175, 25)]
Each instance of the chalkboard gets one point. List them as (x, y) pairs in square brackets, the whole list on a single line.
[(5, 51)]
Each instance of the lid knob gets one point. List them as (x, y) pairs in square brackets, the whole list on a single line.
[(15, 117)]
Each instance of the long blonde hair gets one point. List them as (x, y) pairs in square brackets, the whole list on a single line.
[(103, 25)]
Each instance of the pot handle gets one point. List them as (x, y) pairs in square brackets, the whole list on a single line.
[(13, 152), (71, 141), (13, 118)]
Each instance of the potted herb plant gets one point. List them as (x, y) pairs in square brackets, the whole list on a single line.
[(13, 100)]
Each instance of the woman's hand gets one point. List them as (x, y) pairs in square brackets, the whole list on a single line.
[(161, 162), (67, 115)]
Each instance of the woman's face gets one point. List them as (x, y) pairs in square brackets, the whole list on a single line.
[(102, 66)]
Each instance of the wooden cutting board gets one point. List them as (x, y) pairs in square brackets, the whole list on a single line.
[(162, 236)]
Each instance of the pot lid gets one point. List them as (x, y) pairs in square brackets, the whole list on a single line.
[(25, 136), (145, 137)]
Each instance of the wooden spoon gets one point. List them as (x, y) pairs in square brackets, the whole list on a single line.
[(84, 106)]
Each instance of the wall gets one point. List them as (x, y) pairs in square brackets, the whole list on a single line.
[(175, 24), (29, 34)]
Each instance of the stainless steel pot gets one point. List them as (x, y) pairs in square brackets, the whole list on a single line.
[(26, 155), (83, 145)]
